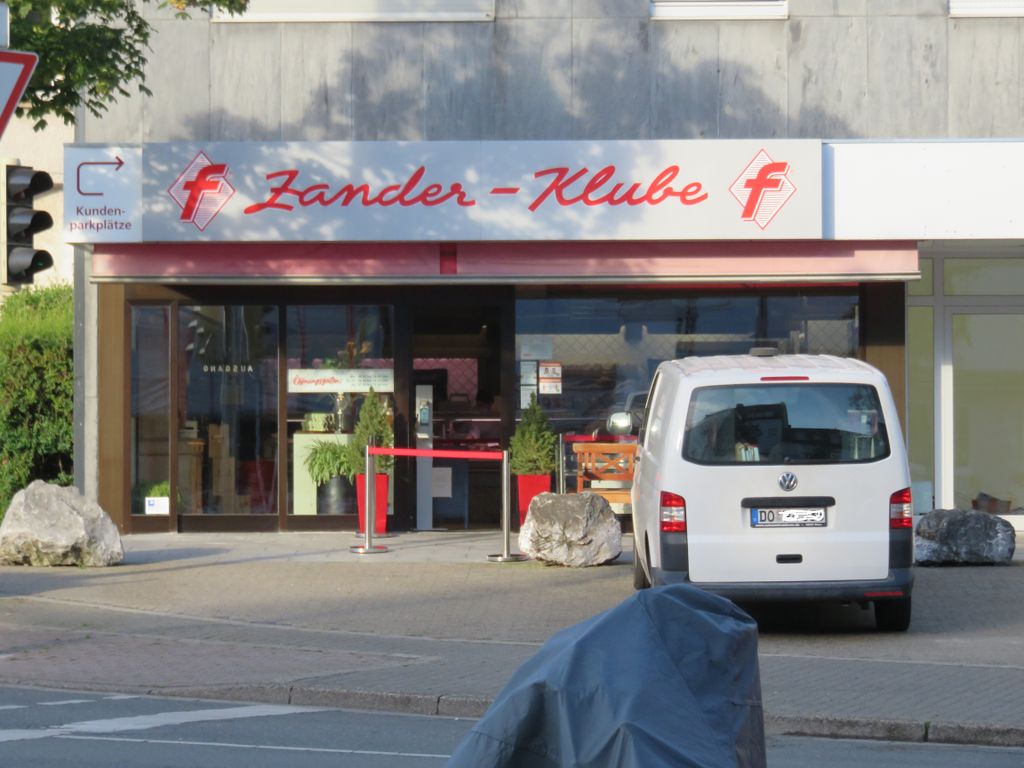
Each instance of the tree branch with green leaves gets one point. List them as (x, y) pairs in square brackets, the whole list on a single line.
[(91, 52)]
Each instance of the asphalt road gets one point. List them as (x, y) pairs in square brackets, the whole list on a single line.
[(434, 628), (51, 729)]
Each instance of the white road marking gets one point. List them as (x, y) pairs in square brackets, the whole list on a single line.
[(66, 701), (13, 706), (143, 722), (268, 747)]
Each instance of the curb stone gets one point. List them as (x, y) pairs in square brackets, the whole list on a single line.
[(846, 727), (975, 734), (461, 706), (311, 696)]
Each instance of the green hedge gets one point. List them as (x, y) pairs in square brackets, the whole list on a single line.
[(36, 389)]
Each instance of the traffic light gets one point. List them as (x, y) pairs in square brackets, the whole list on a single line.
[(21, 222)]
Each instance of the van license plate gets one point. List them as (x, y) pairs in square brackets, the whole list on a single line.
[(788, 518)]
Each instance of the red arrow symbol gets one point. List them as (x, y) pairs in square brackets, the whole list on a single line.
[(117, 162)]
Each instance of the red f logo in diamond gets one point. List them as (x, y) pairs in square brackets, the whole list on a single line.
[(762, 189), (201, 190)]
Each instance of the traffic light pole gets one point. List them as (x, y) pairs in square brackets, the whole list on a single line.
[(20, 260)]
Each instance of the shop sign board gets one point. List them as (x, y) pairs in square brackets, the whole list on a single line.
[(102, 192), (333, 380), (158, 505), (549, 378), (461, 191)]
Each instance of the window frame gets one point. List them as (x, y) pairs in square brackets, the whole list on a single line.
[(985, 9), (667, 10), (691, 426), (368, 11)]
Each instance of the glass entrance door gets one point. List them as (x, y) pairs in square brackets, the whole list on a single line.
[(457, 363), (988, 409)]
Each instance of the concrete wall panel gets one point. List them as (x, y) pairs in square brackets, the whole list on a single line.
[(179, 109), (753, 91), (245, 82), (533, 79), (611, 79), (562, 69), (907, 77), (685, 98), (316, 82), (908, 7), (602, 9), (533, 9), (985, 77), (387, 82), (827, 78), (459, 78)]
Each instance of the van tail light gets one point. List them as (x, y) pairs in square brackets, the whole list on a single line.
[(673, 513), (901, 510)]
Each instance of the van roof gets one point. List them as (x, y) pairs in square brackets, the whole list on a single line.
[(714, 365)]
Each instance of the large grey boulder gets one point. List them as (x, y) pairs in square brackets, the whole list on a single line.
[(51, 525), (963, 536), (575, 529)]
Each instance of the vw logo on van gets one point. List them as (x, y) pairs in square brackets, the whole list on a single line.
[(787, 481)]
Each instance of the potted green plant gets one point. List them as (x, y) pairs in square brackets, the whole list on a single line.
[(532, 455), (328, 467), (371, 425)]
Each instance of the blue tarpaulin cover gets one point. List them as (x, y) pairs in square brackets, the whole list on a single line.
[(667, 678)]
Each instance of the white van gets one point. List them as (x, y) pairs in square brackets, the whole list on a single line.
[(775, 477)]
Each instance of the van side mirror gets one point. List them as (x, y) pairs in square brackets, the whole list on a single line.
[(620, 423)]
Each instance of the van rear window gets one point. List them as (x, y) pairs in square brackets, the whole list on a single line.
[(785, 424)]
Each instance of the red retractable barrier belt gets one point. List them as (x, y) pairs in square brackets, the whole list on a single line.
[(435, 454)]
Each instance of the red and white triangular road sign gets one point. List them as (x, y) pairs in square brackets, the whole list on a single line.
[(15, 70)]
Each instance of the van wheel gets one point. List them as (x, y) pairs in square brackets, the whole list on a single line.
[(640, 580), (892, 615)]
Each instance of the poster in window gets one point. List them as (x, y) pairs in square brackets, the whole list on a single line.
[(536, 348), (528, 372), (525, 393)]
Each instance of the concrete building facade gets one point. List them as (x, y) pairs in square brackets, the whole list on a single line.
[(914, 110)]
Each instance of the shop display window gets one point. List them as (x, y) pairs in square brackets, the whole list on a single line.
[(924, 286), (150, 412), (588, 356), (983, 276), (334, 354), (227, 409), (988, 414), (921, 405)]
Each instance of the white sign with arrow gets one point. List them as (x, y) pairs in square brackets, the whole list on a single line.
[(101, 194)]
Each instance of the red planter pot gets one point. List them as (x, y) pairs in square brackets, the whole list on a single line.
[(380, 512), (528, 486)]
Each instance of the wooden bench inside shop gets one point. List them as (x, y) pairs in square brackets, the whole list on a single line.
[(605, 469)]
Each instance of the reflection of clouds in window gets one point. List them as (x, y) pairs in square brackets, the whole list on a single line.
[(609, 347), (787, 422)]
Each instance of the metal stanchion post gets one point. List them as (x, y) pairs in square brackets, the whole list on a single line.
[(506, 555), (561, 463), (368, 547)]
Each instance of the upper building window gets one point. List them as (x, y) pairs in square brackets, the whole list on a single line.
[(363, 10), (986, 8), (719, 9)]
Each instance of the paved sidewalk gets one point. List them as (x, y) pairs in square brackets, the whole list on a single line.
[(432, 627)]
